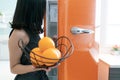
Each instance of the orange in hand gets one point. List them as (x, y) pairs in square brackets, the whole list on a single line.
[(35, 57), (46, 43), (53, 55)]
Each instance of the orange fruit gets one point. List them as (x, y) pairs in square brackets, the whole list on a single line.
[(51, 53), (35, 56), (45, 43)]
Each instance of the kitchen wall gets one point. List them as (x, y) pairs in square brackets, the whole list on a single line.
[(7, 8)]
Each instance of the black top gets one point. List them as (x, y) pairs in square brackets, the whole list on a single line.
[(37, 75)]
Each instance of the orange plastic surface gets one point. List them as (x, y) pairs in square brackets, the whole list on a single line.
[(103, 71), (81, 65)]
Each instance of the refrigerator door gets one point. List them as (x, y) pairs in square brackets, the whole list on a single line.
[(81, 65)]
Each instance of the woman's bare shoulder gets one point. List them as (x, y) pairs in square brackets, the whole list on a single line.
[(19, 34)]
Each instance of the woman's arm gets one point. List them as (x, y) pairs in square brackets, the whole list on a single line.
[(16, 53)]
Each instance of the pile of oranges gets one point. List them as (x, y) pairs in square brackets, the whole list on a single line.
[(45, 54)]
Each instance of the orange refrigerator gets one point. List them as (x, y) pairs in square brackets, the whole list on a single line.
[(76, 20)]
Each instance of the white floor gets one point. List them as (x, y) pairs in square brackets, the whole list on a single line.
[(5, 73)]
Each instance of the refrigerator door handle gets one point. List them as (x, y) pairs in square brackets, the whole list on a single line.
[(77, 30)]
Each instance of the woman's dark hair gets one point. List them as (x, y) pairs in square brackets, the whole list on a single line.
[(29, 15)]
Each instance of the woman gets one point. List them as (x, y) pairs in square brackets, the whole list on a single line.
[(26, 26)]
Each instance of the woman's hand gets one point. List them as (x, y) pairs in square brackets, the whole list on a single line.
[(55, 66), (45, 69)]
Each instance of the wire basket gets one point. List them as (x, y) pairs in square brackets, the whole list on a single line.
[(63, 44)]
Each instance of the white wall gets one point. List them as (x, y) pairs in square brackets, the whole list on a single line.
[(7, 8)]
